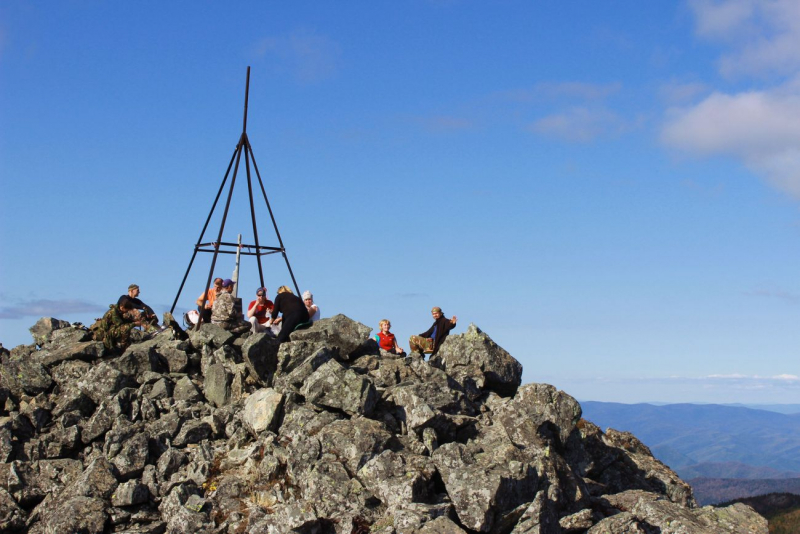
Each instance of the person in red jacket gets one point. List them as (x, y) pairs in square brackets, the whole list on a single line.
[(257, 311), (386, 339), (430, 340)]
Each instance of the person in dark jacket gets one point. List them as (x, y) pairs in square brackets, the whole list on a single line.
[(141, 312), (430, 340), (293, 312)]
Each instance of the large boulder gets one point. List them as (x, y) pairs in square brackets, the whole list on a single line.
[(260, 354), (536, 412), (103, 381), (478, 363), (338, 332), (262, 410), (24, 377), (333, 386), (44, 327)]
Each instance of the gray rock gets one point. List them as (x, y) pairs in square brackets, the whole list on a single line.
[(133, 456), (399, 479), (162, 389), (338, 332), (130, 493), (12, 517), (262, 410), (478, 363), (138, 359), (333, 386), (440, 525), (98, 480), (86, 515), (260, 354), (293, 371), (185, 390), (85, 351), (624, 523), (44, 327), (209, 334), (24, 377), (193, 432), (103, 381), (353, 441), (217, 385), (534, 406)]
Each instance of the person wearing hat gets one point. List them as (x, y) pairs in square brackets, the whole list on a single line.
[(206, 301), (257, 311), (223, 312), (313, 309), (141, 312), (429, 341)]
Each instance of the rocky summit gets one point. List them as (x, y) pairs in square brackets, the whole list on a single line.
[(221, 433)]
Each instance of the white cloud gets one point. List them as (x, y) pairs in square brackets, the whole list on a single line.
[(675, 92), (757, 127), (579, 124), (764, 35), (48, 308), (309, 56)]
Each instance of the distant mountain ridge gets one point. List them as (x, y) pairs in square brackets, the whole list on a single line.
[(709, 437)]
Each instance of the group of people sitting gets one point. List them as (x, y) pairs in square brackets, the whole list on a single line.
[(277, 319), (217, 306), (427, 342)]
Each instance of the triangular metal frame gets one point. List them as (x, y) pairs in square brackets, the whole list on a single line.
[(219, 247)]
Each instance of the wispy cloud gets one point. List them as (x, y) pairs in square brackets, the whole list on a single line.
[(580, 125), (48, 308), (763, 36), (677, 93), (309, 56), (779, 294), (757, 127)]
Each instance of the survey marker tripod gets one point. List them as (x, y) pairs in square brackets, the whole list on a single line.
[(221, 247)]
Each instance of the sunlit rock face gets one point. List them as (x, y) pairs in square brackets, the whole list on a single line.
[(216, 432)]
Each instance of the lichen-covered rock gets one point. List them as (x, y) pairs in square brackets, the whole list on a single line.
[(103, 381), (260, 354), (44, 327), (261, 410), (185, 390), (478, 363), (12, 517), (324, 433), (217, 385), (86, 515), (82, 350), (333, 386), (130, 493), (535, 406), (24, 377), (339, 333), (209, 334)]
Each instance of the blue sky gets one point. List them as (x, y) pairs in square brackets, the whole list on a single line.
[(610, 193)]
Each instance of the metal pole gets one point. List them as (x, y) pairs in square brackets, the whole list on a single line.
[(274, 224), (252, 207), (236, 269), (246, 95), (239, 148), (202, 233)]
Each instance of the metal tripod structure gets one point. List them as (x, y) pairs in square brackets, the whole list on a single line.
[(220, 247)]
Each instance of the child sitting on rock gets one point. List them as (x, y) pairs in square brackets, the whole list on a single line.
[(386, 339)]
